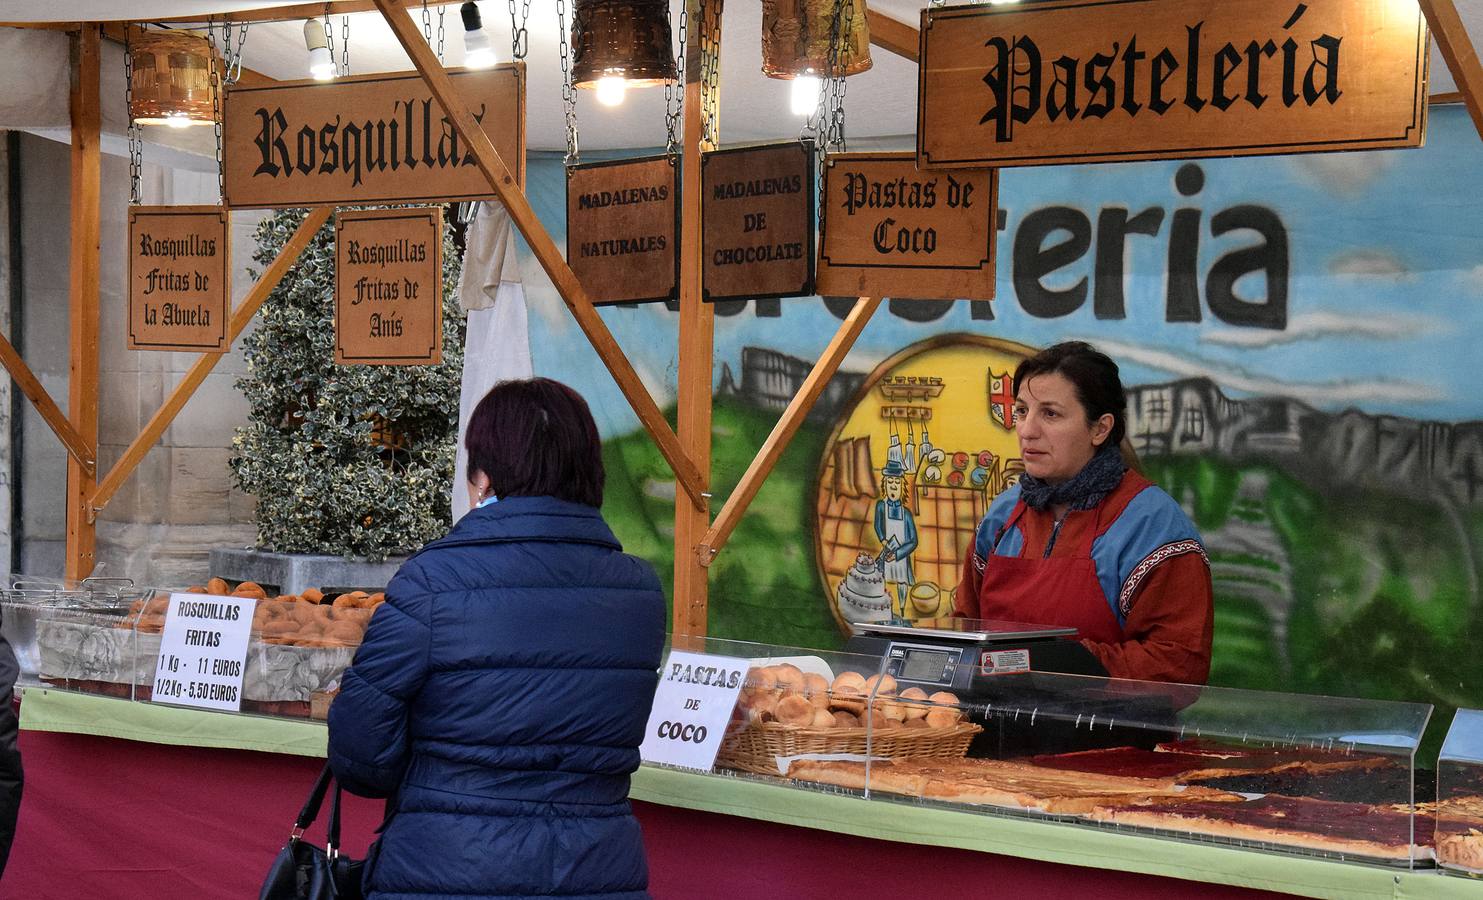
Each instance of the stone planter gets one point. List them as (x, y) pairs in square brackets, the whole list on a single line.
[(293, 573)]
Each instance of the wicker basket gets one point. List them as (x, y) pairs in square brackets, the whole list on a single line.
[(755, 748)]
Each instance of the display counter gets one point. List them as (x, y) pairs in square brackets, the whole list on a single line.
[(1308, 795)]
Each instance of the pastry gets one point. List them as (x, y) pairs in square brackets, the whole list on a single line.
[(843, 719), (313, 595), (816, 689), (917, 710), (944, 712), (848, 692), (823, 718), (789, 677), (794, 709), (218, 586)]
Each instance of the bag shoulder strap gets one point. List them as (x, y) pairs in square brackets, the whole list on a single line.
[(310, 812)]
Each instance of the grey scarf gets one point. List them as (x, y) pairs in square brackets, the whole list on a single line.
[(1084, 490)]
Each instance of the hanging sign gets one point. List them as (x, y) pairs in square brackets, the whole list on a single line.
[(622, 228), (692, 707), (890, 229), (1070, 81), (757, 206), (389, 286), (369, 139), (179, 278), (203, 651)]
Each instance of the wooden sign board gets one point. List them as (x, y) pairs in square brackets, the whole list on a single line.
[(889, 229), (622, 229), (757, 206), (365, 140), (1073, 81), (180, 278), (389, 286)]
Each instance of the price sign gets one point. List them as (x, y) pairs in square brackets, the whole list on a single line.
[(203, 651), (692, 707)]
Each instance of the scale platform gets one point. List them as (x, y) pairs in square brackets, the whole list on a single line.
[(968, 631)]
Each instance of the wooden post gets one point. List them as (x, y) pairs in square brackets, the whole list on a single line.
[(52, 414), (535, 234), (1457, 49), (697, 331), (82, 306), (891, 34), (787, 426), (288, 254)]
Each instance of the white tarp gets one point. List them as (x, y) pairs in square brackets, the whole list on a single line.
[(497, 345)]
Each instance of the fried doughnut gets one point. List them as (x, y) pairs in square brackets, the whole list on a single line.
[(344, 633), (218, 586), (195, 589), (313, 595), (378, 598), (303, 612)]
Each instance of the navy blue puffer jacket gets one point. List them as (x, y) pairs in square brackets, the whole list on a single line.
[(500, 698)]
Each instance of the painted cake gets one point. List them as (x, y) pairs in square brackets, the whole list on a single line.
[(862, 594)]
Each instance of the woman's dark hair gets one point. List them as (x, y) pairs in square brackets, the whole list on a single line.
[(536, 438), (1094, 375)]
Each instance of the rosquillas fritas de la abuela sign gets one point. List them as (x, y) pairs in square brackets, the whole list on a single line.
[(371, 139), (1067, 81)]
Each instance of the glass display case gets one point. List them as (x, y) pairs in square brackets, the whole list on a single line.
[(103, 636), (1321, 776), (1459, 809)]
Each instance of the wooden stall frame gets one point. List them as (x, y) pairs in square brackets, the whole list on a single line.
[(687, 450), (539, 239)]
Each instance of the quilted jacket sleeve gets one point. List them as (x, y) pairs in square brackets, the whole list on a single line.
[(368, 731)]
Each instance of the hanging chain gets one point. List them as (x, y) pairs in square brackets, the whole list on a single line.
[(568, 92), (136, 141), (329, 35), (231, 54), (427, 27), (345, 45), (519, 40), (674, 94), (827, 122), (710, 71), (216, 78)]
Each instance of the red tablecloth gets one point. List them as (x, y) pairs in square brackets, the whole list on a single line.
[(104, 818)]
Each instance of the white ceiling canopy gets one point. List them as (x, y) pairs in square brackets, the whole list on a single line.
[(879, 104)]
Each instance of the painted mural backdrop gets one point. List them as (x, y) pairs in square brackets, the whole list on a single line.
[(1300, 338)]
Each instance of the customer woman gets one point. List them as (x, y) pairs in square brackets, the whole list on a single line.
[(501, 693), (1084, 541)]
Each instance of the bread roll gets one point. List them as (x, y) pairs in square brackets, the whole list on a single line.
[(816, 689), (916, 710), (886, 686), (762, 678), (823, 718), (944, 712), (843, 719), (789, 677), (848, 692), (915, 723), (793, 709)]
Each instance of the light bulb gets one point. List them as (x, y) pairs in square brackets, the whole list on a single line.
[(178, 120), (477, 51), (321, 64), (610, 90), (805, 95)]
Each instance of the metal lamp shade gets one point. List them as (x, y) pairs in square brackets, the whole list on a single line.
[(626, 39), (796, 33), (172, 78)]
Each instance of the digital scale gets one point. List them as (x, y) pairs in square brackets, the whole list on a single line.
[(958, 654)]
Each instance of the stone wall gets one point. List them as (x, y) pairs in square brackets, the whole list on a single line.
[(179, 503)]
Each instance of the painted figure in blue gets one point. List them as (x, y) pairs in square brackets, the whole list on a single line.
[(896, 530)]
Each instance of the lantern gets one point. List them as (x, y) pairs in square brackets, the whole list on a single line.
[(796, 36), (621, 43), (171, 82)]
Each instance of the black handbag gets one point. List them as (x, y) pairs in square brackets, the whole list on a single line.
[(303, 871)]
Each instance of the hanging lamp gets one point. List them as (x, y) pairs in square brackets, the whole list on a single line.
[(619, 44), (796, 38), (171, 81)]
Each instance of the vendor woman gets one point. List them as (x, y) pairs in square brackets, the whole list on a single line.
[(1083, 541)]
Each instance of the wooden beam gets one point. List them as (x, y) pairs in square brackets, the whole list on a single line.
[(1448, 97), (292, 249), (82, 294), (535, 234), (1457, 49), (787, 426), (52, 414), (891, 34), (310, 11), (697, 334)]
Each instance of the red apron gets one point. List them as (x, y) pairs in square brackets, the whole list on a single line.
[(1062, 590)]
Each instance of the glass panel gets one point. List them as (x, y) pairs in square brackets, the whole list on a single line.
[(1459, 819)]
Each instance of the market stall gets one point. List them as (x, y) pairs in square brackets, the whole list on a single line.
[(912, 738)]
